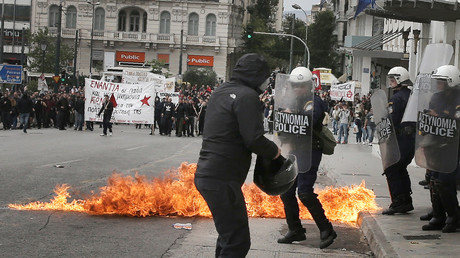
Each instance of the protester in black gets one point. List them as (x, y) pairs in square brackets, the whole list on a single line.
[(107, 108), (233, 131), (62, 106), (5, 108), (167, 113)]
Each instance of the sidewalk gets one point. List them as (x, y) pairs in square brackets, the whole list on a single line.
[(389, 236)]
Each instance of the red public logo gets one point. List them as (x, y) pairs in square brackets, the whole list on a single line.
[(132, 57), (200, 60)]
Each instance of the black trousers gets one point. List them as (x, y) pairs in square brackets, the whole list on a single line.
[(106, 125), (226, 203), (397, 175), (201, 125), (304, 184), (167, 123), (61, 119), (190, 125), (6, 119)]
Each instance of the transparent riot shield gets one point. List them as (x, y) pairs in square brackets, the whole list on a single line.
[(435, 56), (293, 119), (388, 144), (437, 139)]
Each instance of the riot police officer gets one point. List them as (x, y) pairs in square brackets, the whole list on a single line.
[(301, 83), (397, 175), (438, 152)]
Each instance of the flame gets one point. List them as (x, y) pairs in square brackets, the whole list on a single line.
[(176, 195)]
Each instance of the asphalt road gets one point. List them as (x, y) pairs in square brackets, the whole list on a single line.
[(28, 173)]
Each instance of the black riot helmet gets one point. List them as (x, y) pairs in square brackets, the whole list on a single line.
[(275, 177)]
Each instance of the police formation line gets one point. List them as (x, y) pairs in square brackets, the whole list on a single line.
[(289, 164)]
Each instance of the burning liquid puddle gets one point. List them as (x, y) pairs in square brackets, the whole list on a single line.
[(175, 194)]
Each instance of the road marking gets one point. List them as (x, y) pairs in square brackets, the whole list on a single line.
[(62, 162), (135, 148)]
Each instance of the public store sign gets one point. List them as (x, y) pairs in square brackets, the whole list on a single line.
[(130, 57), (11, 74), (134, 102), (194, 60)]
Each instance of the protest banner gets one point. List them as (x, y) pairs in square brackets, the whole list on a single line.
[(345, 91), (134, 102), (173, 95)]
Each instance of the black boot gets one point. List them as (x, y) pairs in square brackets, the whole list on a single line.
[(425, 181), (427, 216), (439, 214), (291, 209), (448, 196), (327, 233), (293, 235), (400, 204)]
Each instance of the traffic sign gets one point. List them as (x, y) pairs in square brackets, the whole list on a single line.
[(56, 78), (11, 74)]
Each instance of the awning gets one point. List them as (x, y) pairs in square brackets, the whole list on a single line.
[(422, 11), (376, 42)]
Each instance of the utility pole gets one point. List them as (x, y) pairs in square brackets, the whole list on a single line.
[(75, 57), (58, 46), (291, 53), (92, 3), (22, 50), (180, 55)]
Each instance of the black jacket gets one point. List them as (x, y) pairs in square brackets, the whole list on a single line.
[(107, 108), (168, 109), (5, 104), (62, 105), (234, 124), (24, 105), (80, 105)]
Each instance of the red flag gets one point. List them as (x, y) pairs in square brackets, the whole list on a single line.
[(316, 79), (114, 102)]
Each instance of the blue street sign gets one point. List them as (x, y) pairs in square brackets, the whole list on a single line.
[(11, 74)]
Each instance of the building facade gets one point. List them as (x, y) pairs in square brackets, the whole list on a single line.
[(134, 32), (16, 21)]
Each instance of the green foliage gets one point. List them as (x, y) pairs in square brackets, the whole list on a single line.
[(157, 66), (322, 42), (200, 76), (32, 86), (35, 55)]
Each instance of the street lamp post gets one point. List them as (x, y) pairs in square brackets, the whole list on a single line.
[(91, 42), (43, 48), (297, 7)]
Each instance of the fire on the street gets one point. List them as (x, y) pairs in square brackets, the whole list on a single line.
[(176, 195)]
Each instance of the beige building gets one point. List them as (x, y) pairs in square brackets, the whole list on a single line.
[(134, 32)]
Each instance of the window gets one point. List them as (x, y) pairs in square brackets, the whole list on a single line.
[(144, 22), (99, 19), (165, 20), (71, 17), (53, 18), (122, 21), (210, 25), (134, 21), (193, 24)]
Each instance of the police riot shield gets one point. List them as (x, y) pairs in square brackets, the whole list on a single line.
[(437, 139), (388, 144), (293, 113), (435, 55)]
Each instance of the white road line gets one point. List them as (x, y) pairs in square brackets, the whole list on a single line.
[(62, 162), (135, 148)]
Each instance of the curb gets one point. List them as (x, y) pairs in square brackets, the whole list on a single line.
[(378, 243)]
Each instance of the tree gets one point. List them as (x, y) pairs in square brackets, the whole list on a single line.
[(200, 76), (322, 42), (35, 55), (157, 66)]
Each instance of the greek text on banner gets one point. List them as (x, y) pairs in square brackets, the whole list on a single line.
[(135, 102)]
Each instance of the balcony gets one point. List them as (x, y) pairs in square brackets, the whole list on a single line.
[(139, 37)]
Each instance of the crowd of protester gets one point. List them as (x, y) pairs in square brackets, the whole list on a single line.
[(65, 109)]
